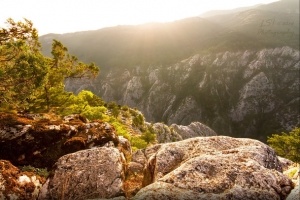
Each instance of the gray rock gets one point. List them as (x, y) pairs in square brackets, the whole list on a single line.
[(125, 144), (173, 133), (195, 129), (215, 167), (139, 157), (286, 163), (92, 173), (134, 167)]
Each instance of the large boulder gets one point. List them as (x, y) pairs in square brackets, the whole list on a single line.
[(215, 167), (16, 184), (39, 140), (86, 174)]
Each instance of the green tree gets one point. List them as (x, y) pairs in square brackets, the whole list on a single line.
[(112, 105), (137, 143), (138, 120), (29, 80), (148, 137), (23, 68), (287, 144), (61, 67), (115, 112)]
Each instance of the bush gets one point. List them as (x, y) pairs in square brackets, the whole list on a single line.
[(93, 113), (138, 142), (120, 128), (287, 145), (148, 137)]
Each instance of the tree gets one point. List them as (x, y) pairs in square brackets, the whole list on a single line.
[(287, 145), (115, 112), (61, 67), (22, 66), (29, 80), (148, 137), (138, 120)]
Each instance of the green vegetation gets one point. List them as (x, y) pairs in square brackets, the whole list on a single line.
[(42, 172), (23, 68), (138, 143), (31, 82), (287, 144), (292, 172)]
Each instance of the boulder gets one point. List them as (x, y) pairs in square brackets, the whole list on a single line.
[(18, 185), (38, 141), (217, 167), (86, 174)]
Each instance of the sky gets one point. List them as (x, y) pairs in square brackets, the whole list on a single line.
[(63, 16)]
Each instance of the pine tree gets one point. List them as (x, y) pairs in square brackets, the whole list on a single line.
[(23, 68)]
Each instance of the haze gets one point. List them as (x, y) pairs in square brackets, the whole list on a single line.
[(62, 16)]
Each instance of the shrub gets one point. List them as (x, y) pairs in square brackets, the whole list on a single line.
[(287, 145), (138, 142)]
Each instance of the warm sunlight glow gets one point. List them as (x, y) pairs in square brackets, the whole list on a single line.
[(59, 16)]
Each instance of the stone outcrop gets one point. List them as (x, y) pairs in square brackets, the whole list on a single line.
[(15, 184), (195, 129), (174, 132), (216, 167), (86, 174), (39, 140)]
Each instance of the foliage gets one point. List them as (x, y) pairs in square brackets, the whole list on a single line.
[(138, 142), (23, 68), (31, 81), (62, 66), (138, 120), (43, 172), (93, 113), (115, 112), (148, 137), (120, 128), (35, 83), (287, 144), (292, 172)]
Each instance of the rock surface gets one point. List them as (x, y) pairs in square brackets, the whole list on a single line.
[(39, 141), (86, 174), (216, 167), (174, 132), (18, 185), (241, 93)]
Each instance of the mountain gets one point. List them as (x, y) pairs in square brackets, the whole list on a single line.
[(222, 12), (237, 73)]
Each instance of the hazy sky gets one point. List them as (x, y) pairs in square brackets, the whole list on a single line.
[(61, 16)]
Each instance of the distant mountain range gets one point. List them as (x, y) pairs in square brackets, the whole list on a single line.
[(235, 72), (222, 12)]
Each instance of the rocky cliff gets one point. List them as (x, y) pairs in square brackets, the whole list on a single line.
[(242, 93)]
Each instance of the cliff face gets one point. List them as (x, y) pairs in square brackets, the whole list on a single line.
[(242, 93)]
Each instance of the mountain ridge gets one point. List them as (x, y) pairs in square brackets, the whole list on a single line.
[(173, 72)]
